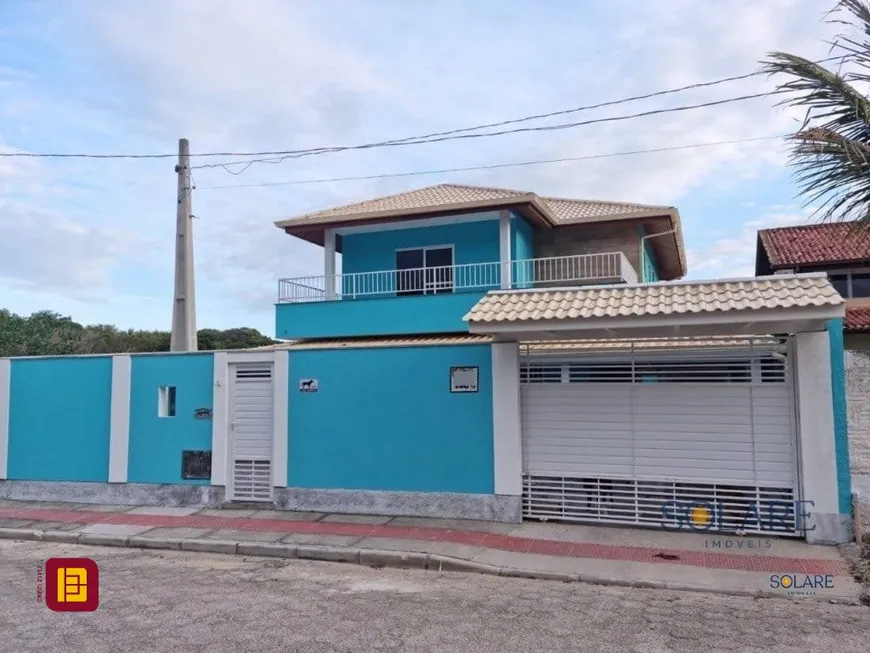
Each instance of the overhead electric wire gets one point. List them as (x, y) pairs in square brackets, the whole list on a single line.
[(493, 166), (432, 137), (503, 132)]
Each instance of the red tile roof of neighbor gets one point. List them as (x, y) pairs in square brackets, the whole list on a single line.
[(816, 244), (857, 319)]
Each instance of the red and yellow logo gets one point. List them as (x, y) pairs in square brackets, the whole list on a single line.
[(72, 584)]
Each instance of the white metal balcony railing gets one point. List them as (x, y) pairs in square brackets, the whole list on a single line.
[(530, 273)]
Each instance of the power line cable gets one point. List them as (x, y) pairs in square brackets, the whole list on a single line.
[(409, 139), (570, 125), (494, 166)]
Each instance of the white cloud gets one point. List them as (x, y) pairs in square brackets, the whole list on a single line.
[(43, 251), (733, 256), (270, 74)]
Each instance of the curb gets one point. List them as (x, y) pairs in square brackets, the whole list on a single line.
[(375, 558)]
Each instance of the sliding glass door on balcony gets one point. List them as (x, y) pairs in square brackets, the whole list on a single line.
[(424, 271)]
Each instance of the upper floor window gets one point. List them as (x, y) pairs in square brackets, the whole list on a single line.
[(851, 284), (424, 270)]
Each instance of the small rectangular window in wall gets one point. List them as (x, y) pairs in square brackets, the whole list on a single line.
[(166, 401)]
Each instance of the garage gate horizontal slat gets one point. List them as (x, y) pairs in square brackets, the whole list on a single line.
[(641, 421)]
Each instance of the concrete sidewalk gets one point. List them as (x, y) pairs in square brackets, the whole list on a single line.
[(606, 555)]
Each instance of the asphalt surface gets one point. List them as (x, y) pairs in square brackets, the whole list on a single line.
[(185, 602)]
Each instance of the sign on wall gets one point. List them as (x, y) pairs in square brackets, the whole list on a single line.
[(202, 413), (463, 379), (307, 385)]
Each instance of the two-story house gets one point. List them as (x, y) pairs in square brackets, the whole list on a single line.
[(844, 256), (473, 353)]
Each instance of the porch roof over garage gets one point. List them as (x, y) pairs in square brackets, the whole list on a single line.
[(775, 304)]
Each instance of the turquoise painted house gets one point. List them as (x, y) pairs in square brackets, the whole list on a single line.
[(473, 352)]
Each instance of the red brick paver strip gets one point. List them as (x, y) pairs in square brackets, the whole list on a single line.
[(709, 560)]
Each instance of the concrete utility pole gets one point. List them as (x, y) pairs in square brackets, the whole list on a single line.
[(184, 307)]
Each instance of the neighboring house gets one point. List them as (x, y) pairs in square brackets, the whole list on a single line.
[(475, 353), (842, 254)]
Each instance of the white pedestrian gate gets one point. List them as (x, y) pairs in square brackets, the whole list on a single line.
[(251, 424), (651, 438)]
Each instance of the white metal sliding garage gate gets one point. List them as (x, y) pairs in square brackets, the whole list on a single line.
[(651, 437)]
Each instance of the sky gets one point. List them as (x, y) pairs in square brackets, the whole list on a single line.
[(94, 239)]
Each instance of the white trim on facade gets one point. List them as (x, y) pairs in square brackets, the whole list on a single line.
[(504, 247), (119, 433), (329, 262), (5, 396), (816, 423), (280, 417), (506, 420), (219, 423)]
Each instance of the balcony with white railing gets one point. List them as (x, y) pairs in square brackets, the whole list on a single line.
[(579, 269)]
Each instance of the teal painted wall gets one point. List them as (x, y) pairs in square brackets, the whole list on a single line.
[(841, 433), (59, 414), (649, 269), (156, 442), (473, 242), (522, 251), (376, 316), (385, 419)]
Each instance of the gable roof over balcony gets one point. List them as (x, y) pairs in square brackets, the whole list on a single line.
[(453, 199)]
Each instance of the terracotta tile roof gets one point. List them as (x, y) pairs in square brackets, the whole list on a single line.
[(448, 195), (816, 244), (857, 319), (657, 299)]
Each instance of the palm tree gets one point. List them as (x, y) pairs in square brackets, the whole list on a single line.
[(831, 150)]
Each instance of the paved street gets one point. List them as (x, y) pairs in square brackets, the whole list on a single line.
[(180, 602)]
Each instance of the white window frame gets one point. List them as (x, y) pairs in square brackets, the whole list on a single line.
[(426, 289), (167, 396)]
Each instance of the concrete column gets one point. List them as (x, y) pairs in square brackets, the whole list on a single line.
[(825, 524), (329, 262), (506, 419), (219, 420), (280, 417), (119, 422), (5, 387), (504, 247)]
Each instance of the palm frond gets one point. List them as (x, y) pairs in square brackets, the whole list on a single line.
[(831, 149)]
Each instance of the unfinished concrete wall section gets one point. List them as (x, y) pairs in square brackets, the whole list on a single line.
[(590, 239), (858, 402)]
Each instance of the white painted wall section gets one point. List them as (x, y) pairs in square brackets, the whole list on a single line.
[(119, 423), (506, 419), (329, 262), (504, 247), (219, 422), (816, 422), (281, 397), (5, 387)]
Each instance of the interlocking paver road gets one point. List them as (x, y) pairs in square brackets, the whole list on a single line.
[(179, 602)]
